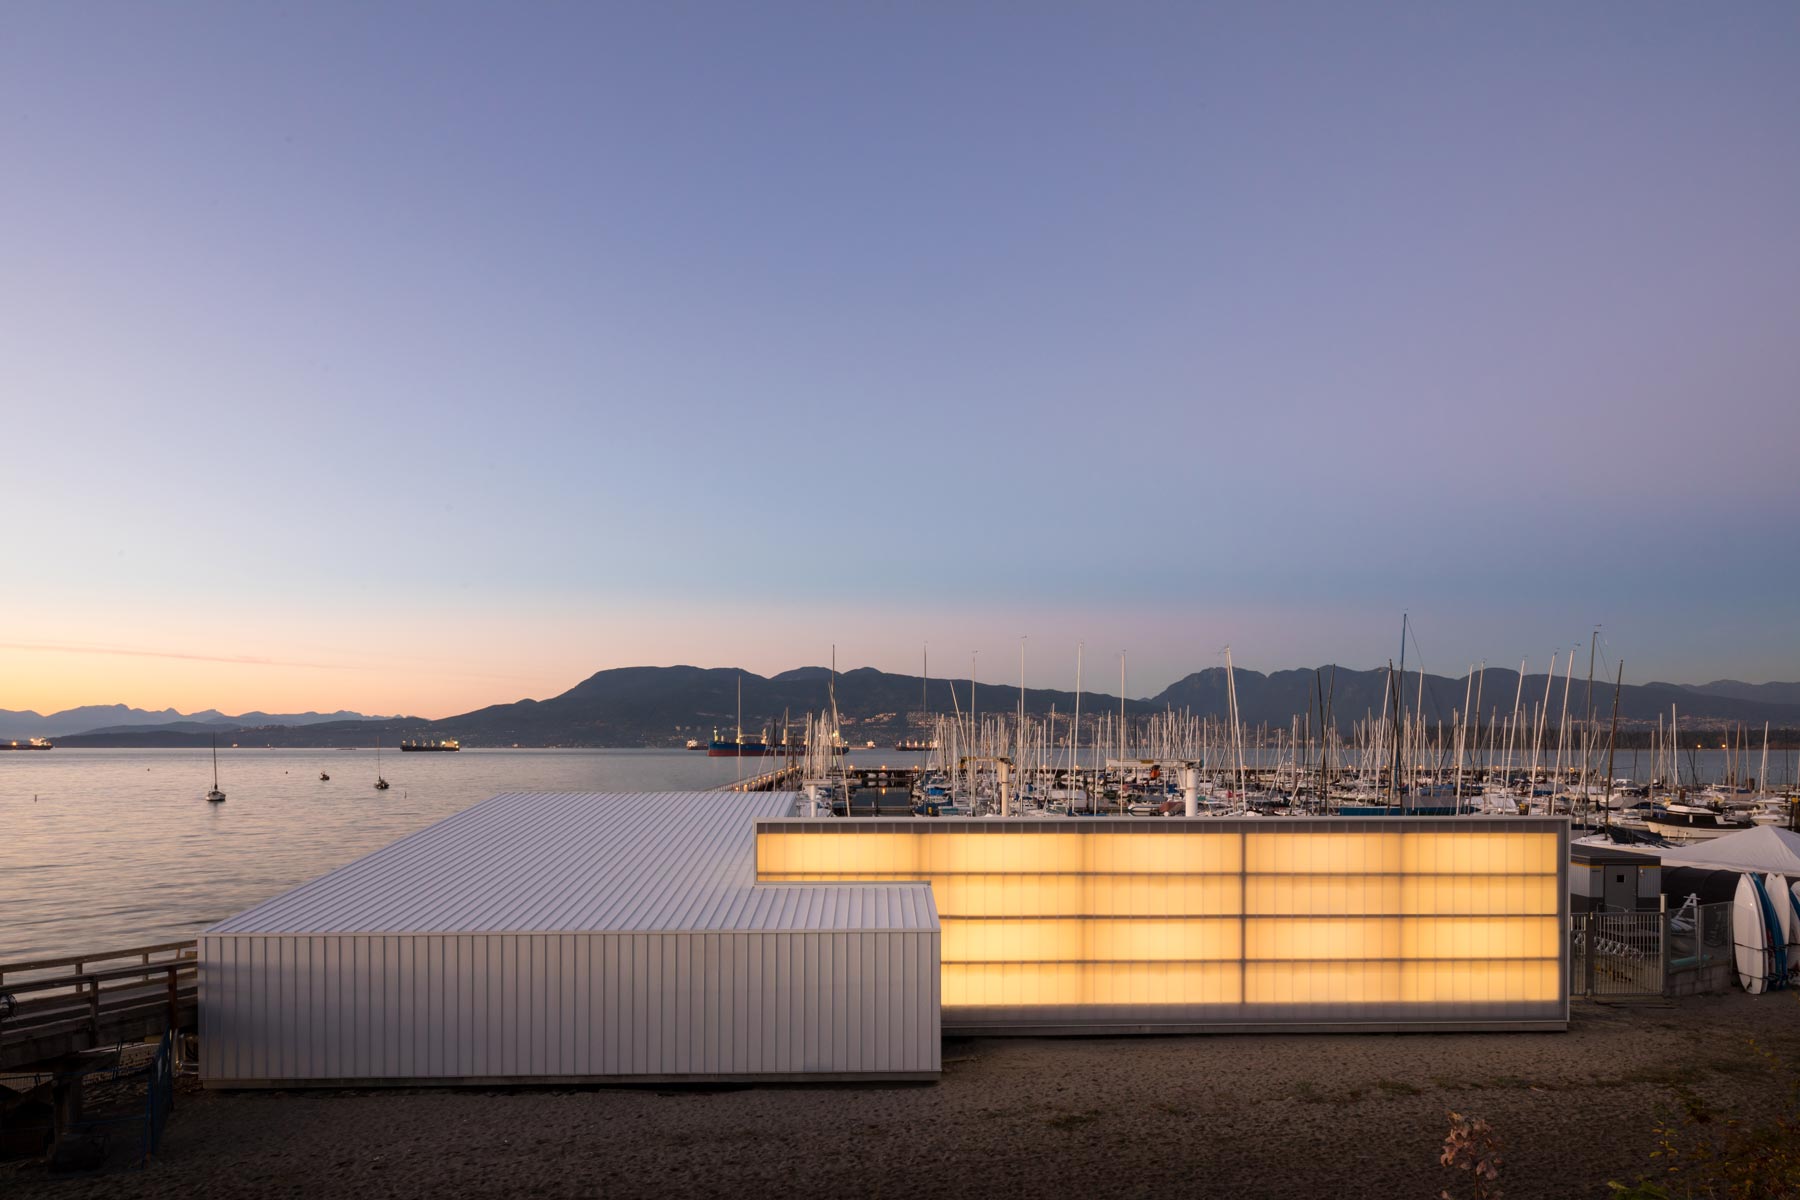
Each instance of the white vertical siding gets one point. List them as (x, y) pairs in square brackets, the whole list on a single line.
[(295, 1008)]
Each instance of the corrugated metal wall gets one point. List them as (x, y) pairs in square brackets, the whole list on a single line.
[(298, 1008)]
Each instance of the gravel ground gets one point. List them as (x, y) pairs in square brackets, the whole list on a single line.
[(1278, 1116)]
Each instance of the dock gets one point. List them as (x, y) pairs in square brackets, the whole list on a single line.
[(857, 779), (56, 1006), (769, 781)]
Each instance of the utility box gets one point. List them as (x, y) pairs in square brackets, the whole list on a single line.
[(1612, 879)]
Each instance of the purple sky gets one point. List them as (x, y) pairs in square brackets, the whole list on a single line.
[(409, 357)]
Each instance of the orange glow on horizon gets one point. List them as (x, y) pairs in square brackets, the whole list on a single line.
[(423, 655)]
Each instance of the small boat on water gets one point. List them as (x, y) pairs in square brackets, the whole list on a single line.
[(215, 796), (323, 777), (381, 785)]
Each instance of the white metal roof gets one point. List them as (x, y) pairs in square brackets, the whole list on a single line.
[(584, 862)]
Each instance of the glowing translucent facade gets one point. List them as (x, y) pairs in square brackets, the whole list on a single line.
[(1141, 923)]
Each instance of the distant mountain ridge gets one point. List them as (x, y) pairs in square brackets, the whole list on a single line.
[(1771, 693), (94, 718), (1352, 695), (663, 706)]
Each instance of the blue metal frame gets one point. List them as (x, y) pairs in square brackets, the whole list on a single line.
[(159, 1098)]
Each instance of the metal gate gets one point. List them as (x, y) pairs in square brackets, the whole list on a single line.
[(1616, 954)]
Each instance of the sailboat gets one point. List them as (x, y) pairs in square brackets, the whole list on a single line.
[(215, 796), (381, 785), (920, 745)]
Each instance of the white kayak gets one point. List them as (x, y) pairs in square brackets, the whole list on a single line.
[(1750, 935)]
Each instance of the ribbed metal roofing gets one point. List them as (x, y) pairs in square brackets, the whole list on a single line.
[(584, 862)]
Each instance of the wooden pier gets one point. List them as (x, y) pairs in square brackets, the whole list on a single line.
[(769, 781), (855, 778), (56, 1006)]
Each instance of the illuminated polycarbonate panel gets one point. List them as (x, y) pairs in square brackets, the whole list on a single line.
[(1284, 939), (1077, 985), (1322, 982), (1205, 939), (1480, 937), (912, 856), (1145, 923)]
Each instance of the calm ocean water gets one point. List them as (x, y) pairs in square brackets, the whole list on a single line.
[(101, 849)]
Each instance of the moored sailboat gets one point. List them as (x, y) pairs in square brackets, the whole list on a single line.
[(215, 796)]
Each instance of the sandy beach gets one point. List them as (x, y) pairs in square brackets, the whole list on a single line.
[(1284, 1116)]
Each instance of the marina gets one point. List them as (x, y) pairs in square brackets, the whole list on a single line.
[(192, 863)]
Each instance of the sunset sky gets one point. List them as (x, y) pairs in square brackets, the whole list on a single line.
[(415, 357)]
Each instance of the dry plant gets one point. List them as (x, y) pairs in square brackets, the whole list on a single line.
[(1471, 1145)]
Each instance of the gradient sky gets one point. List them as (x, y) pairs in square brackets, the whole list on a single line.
[(415, 357)]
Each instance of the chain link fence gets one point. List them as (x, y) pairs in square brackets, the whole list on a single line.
[(1616, 954), (1699, 936)]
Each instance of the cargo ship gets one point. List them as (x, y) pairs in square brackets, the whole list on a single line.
[(744, 745), (757, 745), (445, 746), (29, 744), (916, 745)]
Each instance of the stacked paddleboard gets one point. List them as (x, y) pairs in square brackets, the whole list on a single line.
[(1765, 925)]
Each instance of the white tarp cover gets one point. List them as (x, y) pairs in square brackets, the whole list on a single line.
[(1762, 849)]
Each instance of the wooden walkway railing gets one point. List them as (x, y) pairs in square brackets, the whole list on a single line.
[(53, 1006)]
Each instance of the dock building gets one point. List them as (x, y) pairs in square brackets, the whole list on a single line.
[(715, 936)]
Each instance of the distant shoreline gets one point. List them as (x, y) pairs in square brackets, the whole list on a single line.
[(1637, 738)]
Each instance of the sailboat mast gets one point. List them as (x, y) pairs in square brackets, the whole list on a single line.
[(974, 734), (1588, 727), (831, 748), (1611, 743), (1394, 771), (1762, 771), (1075, 728), (1462, 735)]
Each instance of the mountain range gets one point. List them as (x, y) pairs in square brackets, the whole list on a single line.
[(661, 706), (117, 718)]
